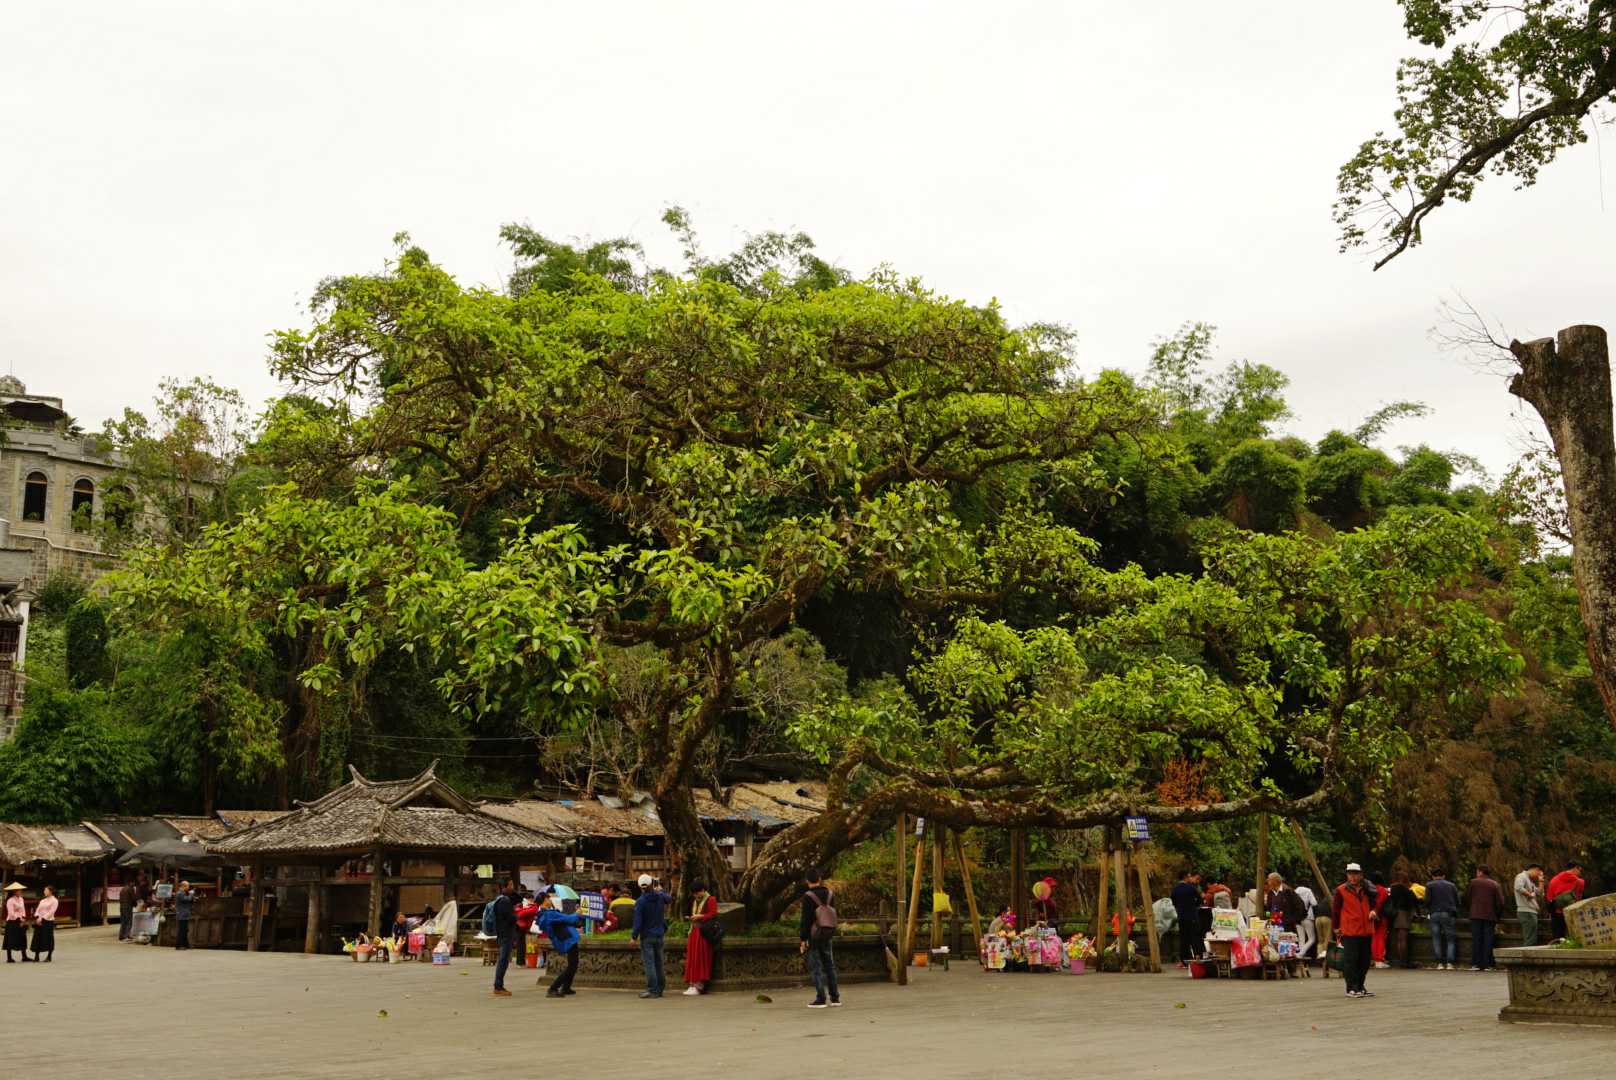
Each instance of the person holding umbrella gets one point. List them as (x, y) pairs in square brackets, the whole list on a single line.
[(16, 916)]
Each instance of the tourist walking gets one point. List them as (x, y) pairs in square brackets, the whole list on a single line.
[(1186, 898), (698, 950), (1529, 901), (1486, 908), (1356, 912), (127, 898), (183, 901), (504, 908), (1565, 889), (562, 930), (45, 925), (16, 919), (817, 931), (1442, 908), (1401, 906), (650, 929)]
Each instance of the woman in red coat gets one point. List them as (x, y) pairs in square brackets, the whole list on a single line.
[(698, 953)]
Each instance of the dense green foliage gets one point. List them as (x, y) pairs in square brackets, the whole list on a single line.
[(624, 527)]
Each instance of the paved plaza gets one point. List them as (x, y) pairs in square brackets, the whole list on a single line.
[(136, 1011)]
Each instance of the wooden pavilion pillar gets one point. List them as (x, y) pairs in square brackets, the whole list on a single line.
[(374, 921), (937, 885), (314, 932), (255, 907)]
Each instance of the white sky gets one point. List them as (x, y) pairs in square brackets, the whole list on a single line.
[(175, 177)]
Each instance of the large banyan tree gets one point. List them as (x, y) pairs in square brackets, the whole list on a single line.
[(690, 463), (728, 454)]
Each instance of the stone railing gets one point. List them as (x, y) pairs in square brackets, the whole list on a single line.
[(744, 964)]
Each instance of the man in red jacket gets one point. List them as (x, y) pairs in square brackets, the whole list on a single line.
[(1565, 889), (1356, 911)]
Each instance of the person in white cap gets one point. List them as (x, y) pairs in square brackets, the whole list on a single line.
[(650, 927), (16, 916), (1356, 911)]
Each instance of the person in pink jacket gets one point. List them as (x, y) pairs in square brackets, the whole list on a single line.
[(16, 917), (45, 925)]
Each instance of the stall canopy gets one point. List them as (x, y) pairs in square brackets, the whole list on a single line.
[(166, 853)]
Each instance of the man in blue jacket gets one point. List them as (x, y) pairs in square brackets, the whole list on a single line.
[(562, 931), (650, 927)]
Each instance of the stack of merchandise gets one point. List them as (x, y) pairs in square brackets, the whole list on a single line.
[(1044, 948)]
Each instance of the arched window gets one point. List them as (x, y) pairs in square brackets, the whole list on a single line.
[(83, 504), (33, 498)]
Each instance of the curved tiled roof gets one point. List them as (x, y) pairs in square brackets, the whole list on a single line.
[(421, 814)]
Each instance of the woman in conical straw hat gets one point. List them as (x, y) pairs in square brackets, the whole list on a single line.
[(16, 915)]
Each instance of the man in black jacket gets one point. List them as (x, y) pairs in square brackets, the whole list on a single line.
[(816, 940), (504, 932), (1186, 898)]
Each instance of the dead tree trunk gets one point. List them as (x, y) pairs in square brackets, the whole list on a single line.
[(1568, 383)]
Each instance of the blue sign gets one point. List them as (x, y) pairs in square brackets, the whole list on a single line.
[(1138, 828), (592, 905)]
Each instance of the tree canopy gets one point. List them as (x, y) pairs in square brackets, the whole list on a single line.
[(1507, 88)]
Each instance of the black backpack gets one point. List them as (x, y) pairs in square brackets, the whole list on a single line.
[(713, 931)]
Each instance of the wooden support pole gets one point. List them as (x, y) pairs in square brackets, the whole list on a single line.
[(255, 907), (914, 903), (1325, 893), (970, 892), (900, 843), (1018, 879), (1122, 899), (1150, 911), (937, 884), (1259, 901), (311, 932), (373, 925), (1102, 925)]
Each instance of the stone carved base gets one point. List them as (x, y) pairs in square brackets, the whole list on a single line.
[(740, 964), (1560, 986)]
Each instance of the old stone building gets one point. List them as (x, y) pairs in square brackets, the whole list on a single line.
[(52, 483)]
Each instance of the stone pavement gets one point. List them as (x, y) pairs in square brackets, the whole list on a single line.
[(136, 1011)]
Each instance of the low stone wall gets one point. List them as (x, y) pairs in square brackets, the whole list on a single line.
[(741, 964), (1560, 986)]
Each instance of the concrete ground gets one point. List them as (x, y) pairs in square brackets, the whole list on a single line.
[(137, 1011)]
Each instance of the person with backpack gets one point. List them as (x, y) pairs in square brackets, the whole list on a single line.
[(817, 929), (699, 945), (502, 914)]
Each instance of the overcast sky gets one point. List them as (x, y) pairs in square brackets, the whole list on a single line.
[(174, 178)]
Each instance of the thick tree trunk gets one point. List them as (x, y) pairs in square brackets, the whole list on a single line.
[(699, 858), (1568, 383)]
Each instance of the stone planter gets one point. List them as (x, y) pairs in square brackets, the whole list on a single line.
[(743, 964), (1559, 986)]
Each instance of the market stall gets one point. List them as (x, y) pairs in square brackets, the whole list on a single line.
[(69, 858), (341, 860)]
